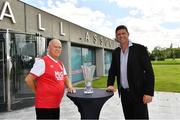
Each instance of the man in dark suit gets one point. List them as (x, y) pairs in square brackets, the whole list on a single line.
[(135, 77)]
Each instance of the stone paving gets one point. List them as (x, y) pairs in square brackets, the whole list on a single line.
[(165, 105)]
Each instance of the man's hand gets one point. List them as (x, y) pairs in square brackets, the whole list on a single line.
[(110, 89), (69, 86), (147, 99), (71, 90)]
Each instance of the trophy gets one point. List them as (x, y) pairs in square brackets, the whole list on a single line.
[(88, 72)]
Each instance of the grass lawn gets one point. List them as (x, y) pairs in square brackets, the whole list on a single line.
[(167, 62), (167, 76), (97, 83)]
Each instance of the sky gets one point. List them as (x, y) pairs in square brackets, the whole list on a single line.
[(152, 23)]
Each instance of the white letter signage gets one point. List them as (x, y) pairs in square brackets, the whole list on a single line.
[(39, 23), (6, 8)]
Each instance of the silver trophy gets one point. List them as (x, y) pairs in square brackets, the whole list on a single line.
[(88, 72)]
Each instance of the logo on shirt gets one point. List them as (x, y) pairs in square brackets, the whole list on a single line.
[(59, 75)]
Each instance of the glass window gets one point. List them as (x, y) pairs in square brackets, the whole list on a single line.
[(76, 61), (41, 46), (2, 77), (81, 56), (88, 55), (1, 50), (107, 59), (23, 53)]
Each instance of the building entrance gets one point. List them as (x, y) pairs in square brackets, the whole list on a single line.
[(18, 52)]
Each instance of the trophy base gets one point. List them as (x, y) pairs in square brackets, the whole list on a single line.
[(88, 91)]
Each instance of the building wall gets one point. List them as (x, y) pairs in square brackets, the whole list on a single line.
[(27, 21)]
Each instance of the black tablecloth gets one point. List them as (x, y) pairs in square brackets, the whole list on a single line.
[(89, 105)]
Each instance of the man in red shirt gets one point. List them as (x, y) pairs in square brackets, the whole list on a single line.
[(51, 79)]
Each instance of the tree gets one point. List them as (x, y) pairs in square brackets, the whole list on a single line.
[(158, 53)]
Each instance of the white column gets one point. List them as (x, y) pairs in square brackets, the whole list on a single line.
[(100, 62), (66, 57)]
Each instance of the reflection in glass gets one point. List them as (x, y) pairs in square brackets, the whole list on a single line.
[(81, 56), (107, 59), (24, 51)]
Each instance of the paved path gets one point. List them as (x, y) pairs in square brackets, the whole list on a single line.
[(164, 106)]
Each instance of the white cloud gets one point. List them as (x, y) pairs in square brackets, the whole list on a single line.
[(134, 12), (147, 29), (83, 16), (150, 33), (71, 1), (40, 2), (154, 10)]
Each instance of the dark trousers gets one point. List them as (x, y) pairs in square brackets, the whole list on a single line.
[(132, 109), (44, 113)]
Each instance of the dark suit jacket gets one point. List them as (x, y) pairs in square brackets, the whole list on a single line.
[(139, 71)]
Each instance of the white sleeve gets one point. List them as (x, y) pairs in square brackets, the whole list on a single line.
[(65, 73), (38, 68)]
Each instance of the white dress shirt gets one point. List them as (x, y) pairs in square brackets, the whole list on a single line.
[(123, 67)]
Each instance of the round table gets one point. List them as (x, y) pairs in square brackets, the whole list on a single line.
[(89, 105)]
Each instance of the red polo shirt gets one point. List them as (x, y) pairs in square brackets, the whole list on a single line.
[(50, 85)]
